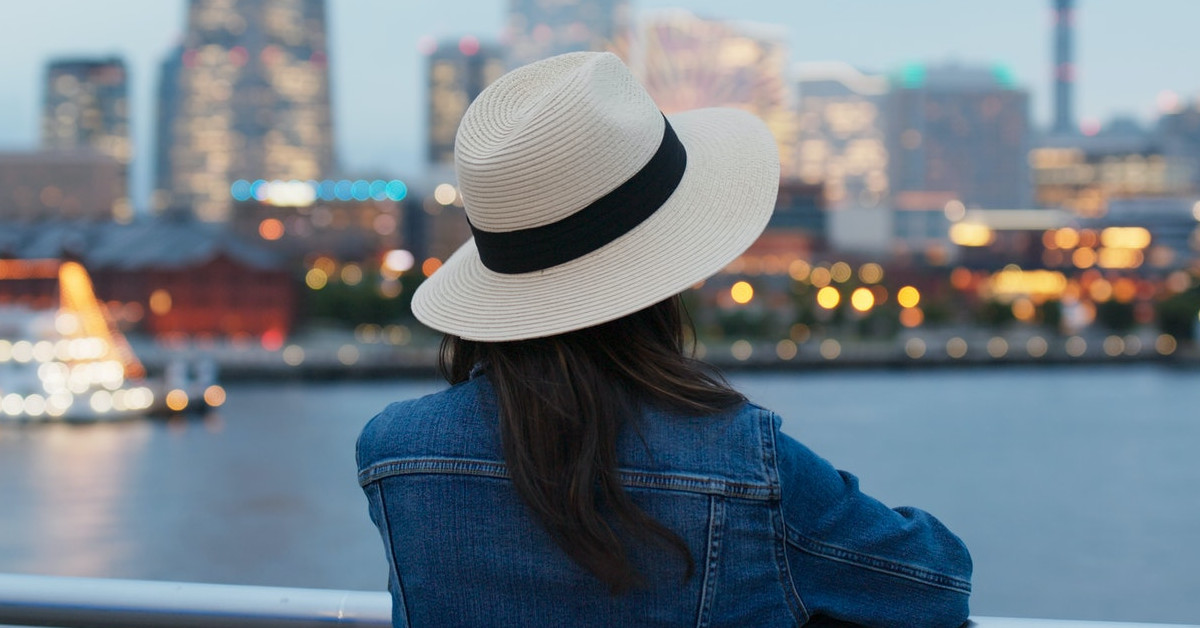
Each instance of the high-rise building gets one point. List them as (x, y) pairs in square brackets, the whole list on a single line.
[(86, 107), (840, 138), (958, 134), (1064, 67), (543, 28), (165, 113), (253, 101), (458, 70), (687, 62)]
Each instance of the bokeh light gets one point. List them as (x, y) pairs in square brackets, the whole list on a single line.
[(316, 278), (741, 292), (908, 296), (270, 229), (870, 273), (862, 299)]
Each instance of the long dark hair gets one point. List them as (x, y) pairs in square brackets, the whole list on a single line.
[(563, 401)]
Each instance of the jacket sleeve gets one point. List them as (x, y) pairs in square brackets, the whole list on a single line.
[(855, 560)]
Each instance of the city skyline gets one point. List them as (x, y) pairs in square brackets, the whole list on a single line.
[(378, 87)]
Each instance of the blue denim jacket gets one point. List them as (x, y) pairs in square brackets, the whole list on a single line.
[(778, 536)]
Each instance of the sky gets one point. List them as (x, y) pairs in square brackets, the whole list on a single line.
[(1128, 54)]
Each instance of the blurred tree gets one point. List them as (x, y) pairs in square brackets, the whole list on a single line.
[(938, 312), (347, 305), (994, 313), (1177, 315), (1115, 316), (1050, 313)]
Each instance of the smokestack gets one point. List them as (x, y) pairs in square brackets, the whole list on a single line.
[(1064, 67)]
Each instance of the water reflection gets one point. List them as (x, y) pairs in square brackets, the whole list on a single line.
[(74, 485)]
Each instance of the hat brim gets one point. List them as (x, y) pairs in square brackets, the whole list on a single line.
[(720, 207)]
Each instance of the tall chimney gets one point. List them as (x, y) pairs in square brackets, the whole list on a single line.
[(1064, 67)]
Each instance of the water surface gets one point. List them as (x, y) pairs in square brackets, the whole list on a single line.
[(1076, 489)]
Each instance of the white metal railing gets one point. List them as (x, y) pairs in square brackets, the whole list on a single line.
[(104, 603), (108, 603)]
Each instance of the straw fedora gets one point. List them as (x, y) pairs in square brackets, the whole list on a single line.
[(588, 204)]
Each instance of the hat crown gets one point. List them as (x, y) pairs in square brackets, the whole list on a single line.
[(546, 140)]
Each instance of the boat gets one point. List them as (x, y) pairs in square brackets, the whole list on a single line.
[(69, 361)]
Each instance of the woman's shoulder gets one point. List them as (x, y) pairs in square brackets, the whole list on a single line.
[(451, 422), (735, 446)]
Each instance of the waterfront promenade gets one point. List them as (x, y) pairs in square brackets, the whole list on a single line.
[(345, 354)]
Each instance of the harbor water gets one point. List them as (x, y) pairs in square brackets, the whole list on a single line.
[(1077, 489)]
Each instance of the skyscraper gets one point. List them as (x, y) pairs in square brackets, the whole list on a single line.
[(840, 134), (86, 107), (458, 70), (687, 62), (1064, 67), (253, 100), (165, 113), (958, 133), (543, 28)]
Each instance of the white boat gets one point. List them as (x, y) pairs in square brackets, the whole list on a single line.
[(67, 362)]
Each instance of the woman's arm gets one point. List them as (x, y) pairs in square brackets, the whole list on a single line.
[(855, 560)]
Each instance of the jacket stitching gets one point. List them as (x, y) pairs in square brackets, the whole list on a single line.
[(779, 520), (638, 479), (874, 563), (716, 522), (386, 529)]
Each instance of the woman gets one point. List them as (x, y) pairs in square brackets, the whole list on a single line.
[(581, 470)]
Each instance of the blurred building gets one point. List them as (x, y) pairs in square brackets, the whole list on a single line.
[(253, 102), (1084, 174), (166, 106), (797, 230), (86, 107), (538, 29), (992, 239), (920, 236), (1172, 228), (169, 277), (861, 230), (1179, 133), (687, 62), (958, 131), (60, 185), (840, 139), (1064, 67), (446, 229), (800, 207), (349, 220), (458, 70)]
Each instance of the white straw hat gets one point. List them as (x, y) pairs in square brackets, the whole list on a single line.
[(586, 205)]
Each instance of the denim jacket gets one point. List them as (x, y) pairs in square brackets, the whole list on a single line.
[(778, 536)]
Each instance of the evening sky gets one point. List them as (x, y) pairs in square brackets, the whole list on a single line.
[(1128, 53)]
